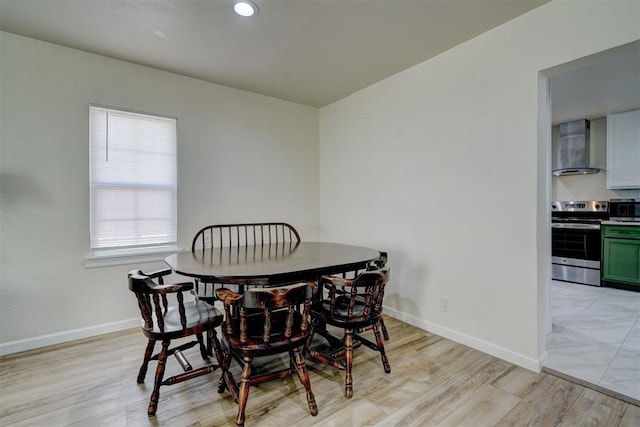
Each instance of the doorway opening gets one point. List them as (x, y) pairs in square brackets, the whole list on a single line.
[(592, 334)]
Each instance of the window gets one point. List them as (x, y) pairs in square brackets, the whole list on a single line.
[(133, 181)]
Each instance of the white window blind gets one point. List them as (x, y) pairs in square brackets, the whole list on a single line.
[(133, 180)]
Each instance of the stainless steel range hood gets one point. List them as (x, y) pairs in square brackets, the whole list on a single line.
[(571, 149)]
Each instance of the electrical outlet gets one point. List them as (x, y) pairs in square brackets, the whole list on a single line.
[(445, 304)]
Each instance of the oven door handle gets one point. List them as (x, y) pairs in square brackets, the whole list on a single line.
[(576, 226)]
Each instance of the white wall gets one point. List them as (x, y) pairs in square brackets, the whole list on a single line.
[(439, 166), (241, 157)]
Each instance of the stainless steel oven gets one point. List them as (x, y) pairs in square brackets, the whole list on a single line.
[(576, 240)]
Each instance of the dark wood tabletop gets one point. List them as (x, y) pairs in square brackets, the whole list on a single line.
[(271, 264)]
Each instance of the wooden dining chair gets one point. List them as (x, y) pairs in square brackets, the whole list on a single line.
[(164, 322), (355, 306), (246, 234), (238, 236), (263, 322), (376, 264)]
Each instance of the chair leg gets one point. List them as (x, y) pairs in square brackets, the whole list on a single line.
[(155, 395), (312, 332), (226, 379), (203, 348), (223, 357), (385, 333), (214, 346), (348, 346), (303, 375), (245, 383), (380, 344), (145, 361)]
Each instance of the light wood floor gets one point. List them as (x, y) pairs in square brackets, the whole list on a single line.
[(433, 382)]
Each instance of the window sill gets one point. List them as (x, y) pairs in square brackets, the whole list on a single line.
[(128, 256)]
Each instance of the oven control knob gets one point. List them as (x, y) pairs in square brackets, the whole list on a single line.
[(597, 206)]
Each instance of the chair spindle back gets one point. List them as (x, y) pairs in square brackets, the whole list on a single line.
[(226, 235)]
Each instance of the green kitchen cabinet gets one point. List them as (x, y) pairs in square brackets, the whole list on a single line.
[(621, 254)]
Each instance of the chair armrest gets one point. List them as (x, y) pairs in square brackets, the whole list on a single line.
[(228, 297), (336, 281), (380, 262), (159, 273), (168, 288), (173, 287)]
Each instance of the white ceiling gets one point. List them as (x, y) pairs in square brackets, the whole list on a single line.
[(593, 87), (312, 52)]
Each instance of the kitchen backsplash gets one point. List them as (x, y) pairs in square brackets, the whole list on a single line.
[(587, 187)]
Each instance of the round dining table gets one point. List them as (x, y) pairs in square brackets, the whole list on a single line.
[(271, 264)]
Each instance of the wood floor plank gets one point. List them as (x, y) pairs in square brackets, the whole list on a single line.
[(631, 417), (442, 395), (433, 381), (486, 407), (545, 405), (359, 412), (518, 381), (594, 409)]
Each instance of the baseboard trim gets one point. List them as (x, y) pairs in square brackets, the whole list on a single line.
[(483, 346), (66, 336), (76, 334)]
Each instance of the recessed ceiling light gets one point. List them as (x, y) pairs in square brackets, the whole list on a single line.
[(245, 8)]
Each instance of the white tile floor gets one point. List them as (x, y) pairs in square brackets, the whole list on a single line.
[(595, 336)]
